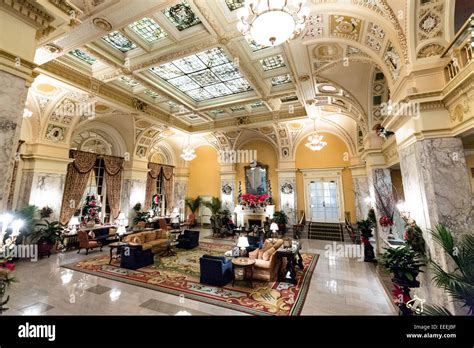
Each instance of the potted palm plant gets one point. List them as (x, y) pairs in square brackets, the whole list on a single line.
[(193, 205), (459, 283), (47, 235), (404, 264), (215, 206)]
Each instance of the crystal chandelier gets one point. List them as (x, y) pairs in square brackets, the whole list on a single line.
[(188, 154), (315, 142), (272, 22)]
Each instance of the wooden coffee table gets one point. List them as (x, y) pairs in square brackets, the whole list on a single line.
[(246, 264), (115, 245)]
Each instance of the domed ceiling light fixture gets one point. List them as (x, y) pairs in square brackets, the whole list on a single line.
[(272, 22)]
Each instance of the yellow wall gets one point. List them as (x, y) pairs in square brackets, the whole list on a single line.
[(470, 164), (204, 176), (266, 155), (330, 156)]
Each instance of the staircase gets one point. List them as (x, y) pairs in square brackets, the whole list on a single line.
[(325, 231)]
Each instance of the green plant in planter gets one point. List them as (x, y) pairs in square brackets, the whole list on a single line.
[(365, 227), (404, 264), (281, 219), (371, 216), (48, 232), (458, 283), (214, 205), (193, 205)]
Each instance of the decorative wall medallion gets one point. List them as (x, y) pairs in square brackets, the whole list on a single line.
[(139, 105), (458, 113), (345, 27), (285, 152), (102, 24), (55, 133), (226, 189), (392, 59), (430, 50), (52, 48), (327, 51), (240, 121), (314, 26), (287, 188), (303, 78), (141, 151), (375, 37), (182, 16), (429, 22)]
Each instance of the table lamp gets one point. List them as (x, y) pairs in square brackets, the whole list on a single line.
[(73, 223), (242, 243), (274, 229), (122, 222)]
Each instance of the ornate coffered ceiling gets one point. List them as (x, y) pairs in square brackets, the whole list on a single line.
[(185, 65)]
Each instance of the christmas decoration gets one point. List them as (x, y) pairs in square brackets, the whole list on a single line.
[(91, 210)]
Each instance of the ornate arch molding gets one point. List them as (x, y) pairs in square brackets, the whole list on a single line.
[(260, 135), (100, 131), (165, 150), (334, 129)]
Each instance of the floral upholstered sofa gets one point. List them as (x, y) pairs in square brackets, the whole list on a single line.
[(267, 263), (155, 240)]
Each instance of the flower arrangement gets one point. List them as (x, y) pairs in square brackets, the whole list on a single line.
[(91, 210), (254, 201), (6, 268), (385, 221)]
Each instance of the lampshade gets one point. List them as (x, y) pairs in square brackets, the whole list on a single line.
[(121, 230), (74, 221), (121, 216), (274, 227), (243, 242)]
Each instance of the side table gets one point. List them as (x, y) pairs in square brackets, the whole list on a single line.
[(116, 246), (245, 264)]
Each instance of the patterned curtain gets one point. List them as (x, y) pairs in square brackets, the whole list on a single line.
[(76, 181), (155, 170), (168, 185), (113, 181)]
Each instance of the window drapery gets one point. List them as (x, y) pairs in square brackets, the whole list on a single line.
[(168, 181), (113, 183), (155, 170)]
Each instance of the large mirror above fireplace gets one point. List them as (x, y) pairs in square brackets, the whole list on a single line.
[(256, 180)]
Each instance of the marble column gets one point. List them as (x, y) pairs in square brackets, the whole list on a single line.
[(12, 104), (133, 192), (437, 190), (180, 190), (288, 198), (228, 187), (360, 185)]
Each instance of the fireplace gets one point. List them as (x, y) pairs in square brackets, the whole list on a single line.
[(254, 222), (253, 216)]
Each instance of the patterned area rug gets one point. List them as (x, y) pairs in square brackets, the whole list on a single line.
[(180, 275)]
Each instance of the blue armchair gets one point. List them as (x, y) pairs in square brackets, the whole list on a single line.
[(215, 270), (255, 242), (134, 257), (188, 239)]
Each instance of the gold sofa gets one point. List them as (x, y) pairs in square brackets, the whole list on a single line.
[(155, 240), (267, 263)]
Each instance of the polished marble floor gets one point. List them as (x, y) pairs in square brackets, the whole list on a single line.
[(339, 286)]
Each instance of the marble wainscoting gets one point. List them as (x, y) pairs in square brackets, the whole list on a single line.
[(179, 196), (288, 200), (42, 189), (133, 192), (383, 194), (12, 104), (228, 199), (361, 193), (437, 190)]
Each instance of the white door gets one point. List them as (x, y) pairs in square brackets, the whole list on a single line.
[(323, 201)]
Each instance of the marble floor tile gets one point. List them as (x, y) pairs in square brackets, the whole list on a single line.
[(339, 286)]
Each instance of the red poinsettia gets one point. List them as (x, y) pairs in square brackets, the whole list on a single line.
[(399, 295), (385, 221), (8, 265)]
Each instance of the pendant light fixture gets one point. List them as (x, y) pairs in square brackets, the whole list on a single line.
[(315, 141), (188, 153)]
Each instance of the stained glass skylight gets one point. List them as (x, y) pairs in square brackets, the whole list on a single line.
[(271, 63), (128, 81), (217, 111), (234, 4), (281, 80), (203, 76), (148, 30), (83, 56), (182, 16), (255, 46), (238, 108), (119, 41), (290, 98), (151, 93), (257, 104)]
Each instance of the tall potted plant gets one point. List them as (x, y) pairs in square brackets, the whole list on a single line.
[(281, 219), (365, 230), (47, 235), (193, 205), (404, 264)]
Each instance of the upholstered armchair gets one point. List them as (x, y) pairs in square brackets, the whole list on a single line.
[(255, 242), (134, 257), (188, 239), (215, 270), (87, 243)]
